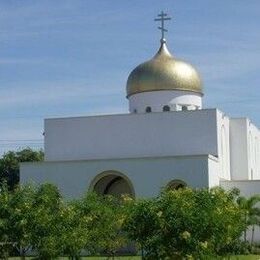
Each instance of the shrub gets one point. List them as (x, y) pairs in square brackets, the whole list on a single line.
[(186, 223), (46, 222)]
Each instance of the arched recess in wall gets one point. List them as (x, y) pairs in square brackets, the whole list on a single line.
[(176, 185), (251, 155), (256, 155), (224, 152), (112, 183)]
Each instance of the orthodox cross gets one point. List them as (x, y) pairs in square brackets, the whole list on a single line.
[(162, 17)]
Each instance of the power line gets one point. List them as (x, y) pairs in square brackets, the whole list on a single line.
[(21, 140)]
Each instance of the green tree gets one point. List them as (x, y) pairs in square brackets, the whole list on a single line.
[(74, 230), (251, 213), (19, 221), (142, 225), (99, 225), (6, 243), (46, 221), (113, 238), (90, 209), (186, 223), (9, 164), (199, 222)]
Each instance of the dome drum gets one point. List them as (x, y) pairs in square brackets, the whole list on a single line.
[(156, 101)]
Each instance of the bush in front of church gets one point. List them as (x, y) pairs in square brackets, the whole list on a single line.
[(93, 224), (186, 223), (180, 223), (38, 220), (30, 220)]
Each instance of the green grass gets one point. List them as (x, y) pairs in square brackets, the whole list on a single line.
[(239, 257), (105, 258), (89, 258), (245, 257)]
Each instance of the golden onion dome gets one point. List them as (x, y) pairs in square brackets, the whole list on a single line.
[(163, 72)]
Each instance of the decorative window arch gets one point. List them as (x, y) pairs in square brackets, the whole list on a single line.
[(224, 152), (166, 108), (257, 167), (251, 152), (112, 183)]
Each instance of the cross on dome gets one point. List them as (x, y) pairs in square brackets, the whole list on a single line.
[(162, 17)]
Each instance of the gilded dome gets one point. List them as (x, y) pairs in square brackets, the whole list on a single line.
[(163, 72)]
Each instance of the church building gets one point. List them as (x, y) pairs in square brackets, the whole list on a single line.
[(168, 139)]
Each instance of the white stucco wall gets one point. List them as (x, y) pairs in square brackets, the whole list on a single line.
[(248, 188), (253, 151), (132, 135), (245, 149), (223, 145), (213, 172), (147, 175), (157, 99), (238, 154)]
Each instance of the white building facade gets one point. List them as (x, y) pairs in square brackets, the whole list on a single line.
[(167, 140), (199, 148)]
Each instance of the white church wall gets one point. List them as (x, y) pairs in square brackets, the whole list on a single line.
[(132, 135), (253, 151), (247, 188), (245, 149), (239, 149), (223, 145), (213, 171), (147, 175), (158, 99)]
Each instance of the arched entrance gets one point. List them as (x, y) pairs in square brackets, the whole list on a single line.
[(112, 183), (176, 185)]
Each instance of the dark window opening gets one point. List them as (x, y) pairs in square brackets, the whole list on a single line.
[(148, 109), (166, 108)]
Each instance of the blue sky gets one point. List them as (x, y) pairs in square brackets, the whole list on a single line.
[(72, 57)]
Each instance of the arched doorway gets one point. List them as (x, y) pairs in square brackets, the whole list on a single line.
[(176, 185), (112, 183)]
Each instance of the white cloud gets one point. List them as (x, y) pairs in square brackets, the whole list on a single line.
[(50, 92)]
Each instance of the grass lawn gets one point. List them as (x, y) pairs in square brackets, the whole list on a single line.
[(245, 257), (241, 257), (89, 258)]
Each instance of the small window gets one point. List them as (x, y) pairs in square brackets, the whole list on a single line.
[(184, 108), (135, 111), (176, 185), (148, 109), (166, 108)]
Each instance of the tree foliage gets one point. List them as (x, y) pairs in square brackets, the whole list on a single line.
[(186, 223), (5, 240), (177, 224), (101, 220), (251, 213), (45, 224), (9, 164), (19, 220)]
